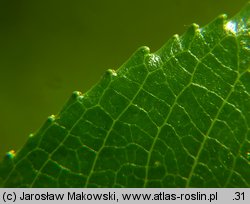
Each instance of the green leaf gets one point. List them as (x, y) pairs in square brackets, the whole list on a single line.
[(179, 117)]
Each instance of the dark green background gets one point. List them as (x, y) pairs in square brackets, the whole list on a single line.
[(49, 48)]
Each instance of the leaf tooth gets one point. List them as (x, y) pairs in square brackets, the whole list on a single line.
[(176, 36), (217, 23), (194, 27), (176, 45), (76, 94), (214, 31), (137, 58), (11, 154), (172, 47), (51, 118), (227, 25), (111, 72), (31, 135), (107, 77), (145, 49), (187, 38), (223, 17)]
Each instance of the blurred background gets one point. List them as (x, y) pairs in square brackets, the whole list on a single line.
[(50, 48)]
